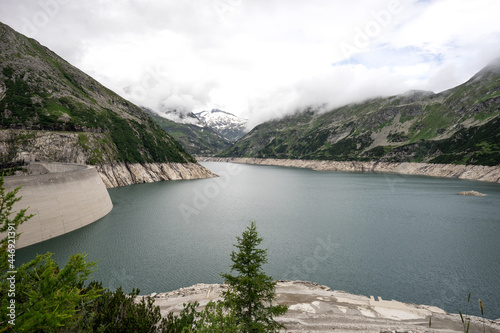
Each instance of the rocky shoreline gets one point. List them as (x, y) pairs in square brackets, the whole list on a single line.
[(469, 172), (122, 174), (316, 308)]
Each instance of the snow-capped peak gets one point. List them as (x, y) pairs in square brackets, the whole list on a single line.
[(227, 124)]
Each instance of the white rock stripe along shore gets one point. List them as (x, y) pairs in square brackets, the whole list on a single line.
[(316, 308), (470, 172), (122, 174)]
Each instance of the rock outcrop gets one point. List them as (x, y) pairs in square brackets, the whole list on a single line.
[(470, 172), (472, 193), (122, 174), (53, 146)]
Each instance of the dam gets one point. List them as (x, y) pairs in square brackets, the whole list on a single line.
[(63, 197)]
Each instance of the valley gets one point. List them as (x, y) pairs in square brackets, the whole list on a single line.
[(352, 188)]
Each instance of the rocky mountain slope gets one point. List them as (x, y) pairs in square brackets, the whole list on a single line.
[(458, 126), (196, 139), (51, 111), (226, 124)]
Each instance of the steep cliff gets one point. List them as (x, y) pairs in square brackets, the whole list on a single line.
[(51, 111)]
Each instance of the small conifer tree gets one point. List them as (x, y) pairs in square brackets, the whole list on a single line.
[(251, 293)]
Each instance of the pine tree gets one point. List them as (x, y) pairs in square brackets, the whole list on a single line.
[(251, 293)]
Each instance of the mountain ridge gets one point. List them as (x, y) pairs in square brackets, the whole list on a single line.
[(225, 123), (41, 91), (196, 139), (53, 112), (454, 126)]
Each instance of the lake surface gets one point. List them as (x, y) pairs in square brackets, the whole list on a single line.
[(408, 238)]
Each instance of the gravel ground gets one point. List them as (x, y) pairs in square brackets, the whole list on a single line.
[(315, 308)]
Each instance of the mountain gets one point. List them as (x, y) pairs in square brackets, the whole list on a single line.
[(227, 124), (51, 111), (178, 116), (459, 126), (197, 140)]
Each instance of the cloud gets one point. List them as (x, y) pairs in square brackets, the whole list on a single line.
[(263, 59)]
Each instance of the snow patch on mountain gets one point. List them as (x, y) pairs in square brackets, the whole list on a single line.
[(225, 123)]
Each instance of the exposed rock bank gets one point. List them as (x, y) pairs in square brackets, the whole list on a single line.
[(315, 308), (470, 172), (122, 174), (472, 193)]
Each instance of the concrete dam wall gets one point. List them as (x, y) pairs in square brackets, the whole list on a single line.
[(64, 197)]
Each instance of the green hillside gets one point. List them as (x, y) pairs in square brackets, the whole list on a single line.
[(41, 92), (201, 141), (459, 126)]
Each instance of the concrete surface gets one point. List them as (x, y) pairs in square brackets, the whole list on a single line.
[(64, 197), (315, 308)]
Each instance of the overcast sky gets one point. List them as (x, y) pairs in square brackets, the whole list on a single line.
[(261, 59)]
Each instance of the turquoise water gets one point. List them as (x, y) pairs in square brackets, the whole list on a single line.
[(408, 238)]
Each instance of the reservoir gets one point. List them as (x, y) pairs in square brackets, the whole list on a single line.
[(408, 238)]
